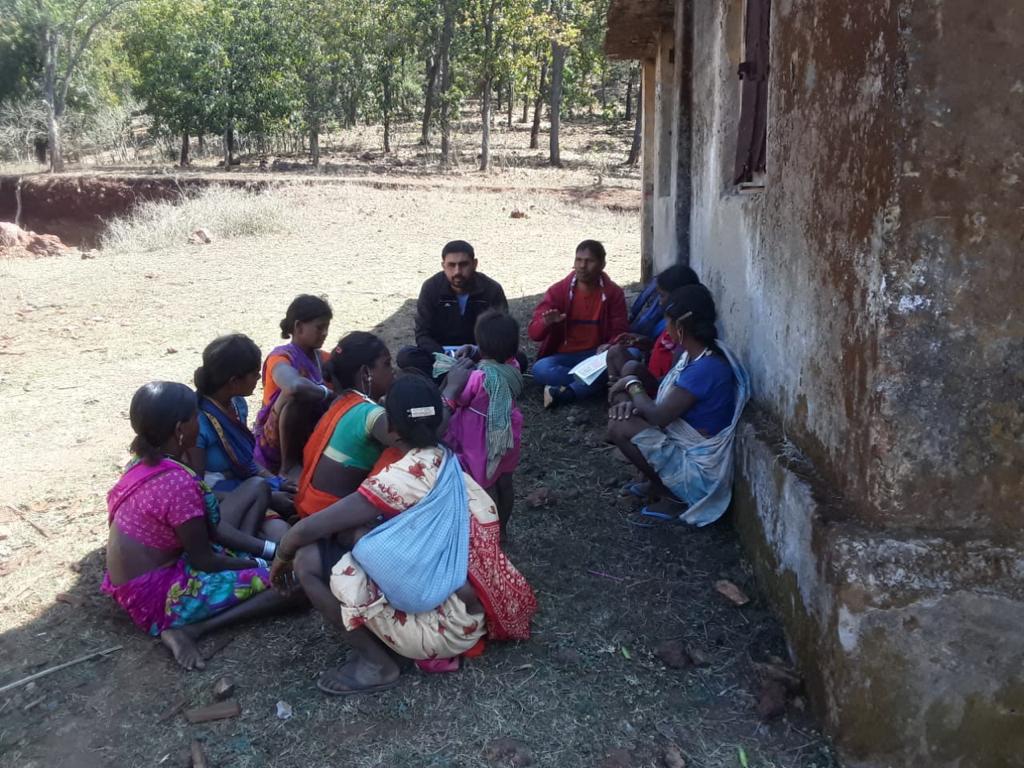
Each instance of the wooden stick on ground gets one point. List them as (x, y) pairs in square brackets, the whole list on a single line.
[(198, 756), (219, 711), (25, 519), (59, 667)]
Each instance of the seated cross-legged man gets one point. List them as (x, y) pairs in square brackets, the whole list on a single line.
[(448, 307), (579, 316)]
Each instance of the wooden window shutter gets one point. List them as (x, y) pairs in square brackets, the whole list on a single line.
[(752, 139)]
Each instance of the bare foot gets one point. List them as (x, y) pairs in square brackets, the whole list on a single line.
[(184, 648)]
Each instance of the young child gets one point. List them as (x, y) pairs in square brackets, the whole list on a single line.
[(486, 425)]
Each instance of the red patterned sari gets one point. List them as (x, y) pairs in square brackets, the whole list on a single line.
[(508, 600)]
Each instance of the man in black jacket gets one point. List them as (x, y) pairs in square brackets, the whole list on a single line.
[(449, 304)]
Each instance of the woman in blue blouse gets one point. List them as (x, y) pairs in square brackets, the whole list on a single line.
[(682, 440)]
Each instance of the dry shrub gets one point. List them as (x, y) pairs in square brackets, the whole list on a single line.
[(221, 211)]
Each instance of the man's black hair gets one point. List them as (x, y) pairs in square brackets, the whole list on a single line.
[(458, 246), (595, 249)]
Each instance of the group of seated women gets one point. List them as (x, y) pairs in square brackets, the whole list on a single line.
[(383, 498), (388, 518)]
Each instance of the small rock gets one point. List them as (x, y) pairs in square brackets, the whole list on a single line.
[(88, 255), (284, 710), (508, 752), (517, 214), (673, 758), (200, 237), (673, 654), (732, 592), (540, 498), (224, 688), (772, 701), (31, 687), (172, 351)]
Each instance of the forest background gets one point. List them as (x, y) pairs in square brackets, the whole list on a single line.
[(113, 79)]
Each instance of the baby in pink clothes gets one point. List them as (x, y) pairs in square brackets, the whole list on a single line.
[(486, 426)]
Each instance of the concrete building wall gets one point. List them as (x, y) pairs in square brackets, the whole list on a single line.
[(873, 288)]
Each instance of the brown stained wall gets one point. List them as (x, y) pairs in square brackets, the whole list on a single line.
[(873, 286), (954, 419), (797, 266)]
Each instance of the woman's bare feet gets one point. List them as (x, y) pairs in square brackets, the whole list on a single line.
[(184, 648)]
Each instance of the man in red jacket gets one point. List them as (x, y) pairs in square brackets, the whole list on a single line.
[(578, 317)]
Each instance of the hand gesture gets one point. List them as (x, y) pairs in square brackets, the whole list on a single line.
[(282, 576), (552, 317), (619, 386), (622, 411)]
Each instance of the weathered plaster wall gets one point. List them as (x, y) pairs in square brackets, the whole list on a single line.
[(797, 265), (872, 286), (951, 419), (874, 290)]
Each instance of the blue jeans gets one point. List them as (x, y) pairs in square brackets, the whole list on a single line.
[(553, 370)]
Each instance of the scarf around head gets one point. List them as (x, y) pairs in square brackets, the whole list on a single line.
[(503, 384)]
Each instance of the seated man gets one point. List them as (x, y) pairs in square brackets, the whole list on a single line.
[(579, 316), (448, 307)]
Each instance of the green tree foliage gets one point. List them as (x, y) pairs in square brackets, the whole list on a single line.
[(65, 31), (260, 68)]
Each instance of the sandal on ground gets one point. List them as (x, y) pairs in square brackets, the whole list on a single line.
[(649, 518), (352, 687), (638, 488)]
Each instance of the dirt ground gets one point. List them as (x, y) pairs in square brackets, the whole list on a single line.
[(79, 335)]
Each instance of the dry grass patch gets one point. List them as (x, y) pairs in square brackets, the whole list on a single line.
[(222, 212)]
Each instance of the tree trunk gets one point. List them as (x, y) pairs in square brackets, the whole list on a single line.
[(634, 148), (526, 109), (538, 105), (228, 142), (183, 160), (53, 109), (485, 116), (511, 101), (445, 63), (428, 98), (387, 113), (314, 140), (557, 65), (630, 85), (488, 88), (202, 144)]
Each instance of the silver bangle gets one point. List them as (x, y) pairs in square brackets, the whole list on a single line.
[(325, 390), (269, 549)]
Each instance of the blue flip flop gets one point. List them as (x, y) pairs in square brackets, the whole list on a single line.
[(633, 489), (660, 518)]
